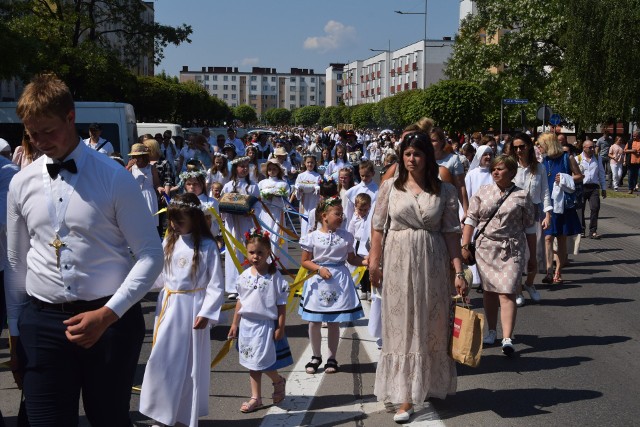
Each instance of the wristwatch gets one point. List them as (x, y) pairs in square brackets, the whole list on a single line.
[(460, 274)]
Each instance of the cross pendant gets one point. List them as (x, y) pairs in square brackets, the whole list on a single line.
[(57, 244)]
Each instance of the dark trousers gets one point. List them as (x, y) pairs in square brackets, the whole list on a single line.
[(591, 194), (57, 371), (607, 171), (633, 175)]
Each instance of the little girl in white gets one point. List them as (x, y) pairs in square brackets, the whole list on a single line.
[(259, 320), (329, 296), (175, 388), (274, 190), (237, 224), (307, 189)]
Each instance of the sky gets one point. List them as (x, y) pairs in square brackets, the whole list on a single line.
[(283, 34)]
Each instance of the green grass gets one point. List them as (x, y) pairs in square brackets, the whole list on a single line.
[(620, 194)]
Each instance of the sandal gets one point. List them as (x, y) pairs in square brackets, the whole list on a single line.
[(595, 236), (252, 405), (331, 367), (279, 390), (557, 279), (312, 367), (548, 278)]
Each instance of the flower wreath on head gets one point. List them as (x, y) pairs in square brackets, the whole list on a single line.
[(331, 201), (184, 204), (328, 179), (255, 232), (219, 154), (239, 160), (192, 174)]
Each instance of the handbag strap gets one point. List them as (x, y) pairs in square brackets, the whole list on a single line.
[(495, 211)]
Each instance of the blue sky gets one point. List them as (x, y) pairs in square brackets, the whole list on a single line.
[(296, 33)]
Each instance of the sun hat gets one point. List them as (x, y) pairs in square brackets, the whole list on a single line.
[(139, 150), (280, 151)]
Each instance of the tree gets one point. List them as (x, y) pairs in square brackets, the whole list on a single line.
[(277, 116), (361, 116), (307, 116), (245, 113), (455, 105)]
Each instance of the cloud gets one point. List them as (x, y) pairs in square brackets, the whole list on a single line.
[(250, 61), (336, 35)]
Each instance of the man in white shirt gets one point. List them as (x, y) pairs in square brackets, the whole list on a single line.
[(231, 139), (96, 142), (82, 251), (594, 180)]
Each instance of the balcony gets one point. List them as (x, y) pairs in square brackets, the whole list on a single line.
[(392, 73), (378, 91), (406, 68), (399, 70), (415, 66), (406, 86), (399, 88), (373, 75), (392, 89), (362, 94), (414, 85), (379, 73)]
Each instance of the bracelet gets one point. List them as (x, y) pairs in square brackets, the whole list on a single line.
[(460, 274), (318, 270), (465, 246)]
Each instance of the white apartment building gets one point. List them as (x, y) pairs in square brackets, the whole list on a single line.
[(416, 66), (262, 88), (335, 84)]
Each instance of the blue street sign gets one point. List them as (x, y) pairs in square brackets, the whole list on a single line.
[(555, 119), (512, 101)]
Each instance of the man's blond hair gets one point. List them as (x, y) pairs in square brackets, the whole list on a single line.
[(45, 95)]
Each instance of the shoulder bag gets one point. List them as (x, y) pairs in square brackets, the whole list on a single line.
[(471, 246)]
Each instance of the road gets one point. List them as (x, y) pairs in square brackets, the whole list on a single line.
[(576, 361)]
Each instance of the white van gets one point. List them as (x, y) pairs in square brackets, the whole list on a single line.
[(154, 128), (118, 122)]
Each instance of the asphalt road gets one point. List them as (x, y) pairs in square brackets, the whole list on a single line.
[(576, 362)]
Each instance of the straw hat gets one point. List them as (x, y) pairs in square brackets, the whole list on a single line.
[(139, 150), (280, 151), (265, 165)]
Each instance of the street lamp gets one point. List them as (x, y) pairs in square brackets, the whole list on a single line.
[(387, 77), (426, 2)]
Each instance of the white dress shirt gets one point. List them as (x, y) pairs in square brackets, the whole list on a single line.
[(7, 170), (105, 146), (240, 148), (592, 169), (106, 217)]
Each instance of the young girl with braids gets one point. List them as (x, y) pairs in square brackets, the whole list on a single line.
[(330, 295), (175, 388), (259, 320), (237, 225)]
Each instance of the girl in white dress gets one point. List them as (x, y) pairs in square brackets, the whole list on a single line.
[(219, 171), (339, 162), (175, 388), (274, 190), (259, 320), (194, 182), (307, 190), (330, 295), (237, 225)]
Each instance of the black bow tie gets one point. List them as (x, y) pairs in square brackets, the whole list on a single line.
[(54, 168)]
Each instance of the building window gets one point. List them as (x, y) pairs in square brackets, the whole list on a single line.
[(215, 87), (206, 87), (233, 78), (233, 96), (264, 79), (233, 87), (292, 88), (312, 98), (292, 97), (234, 105), (273, 79), (206, 76), (302, 79), (253, 97), (254, 78), (292, 106), (254, 105), (225, 87), (225, 78), (215, 96), (313, 79), (215, 78), (302, 98), (254, 87), (273, 88), (265, 87), (225, 96), (293, 79), (339, 88)]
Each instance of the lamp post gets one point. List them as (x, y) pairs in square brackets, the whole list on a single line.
[(426, 2), (387, 77)]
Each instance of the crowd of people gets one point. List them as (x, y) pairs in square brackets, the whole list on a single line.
[(213, 218)]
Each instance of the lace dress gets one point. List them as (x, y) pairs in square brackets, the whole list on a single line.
[(416, 294)]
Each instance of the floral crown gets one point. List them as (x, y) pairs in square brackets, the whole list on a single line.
[(184, 204), (219, 154), (328, 179), (192, 174), (240, 160), (256, 232), (330, 201)]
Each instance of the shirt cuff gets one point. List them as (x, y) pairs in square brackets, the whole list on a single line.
[(119, 304), (471, 222)]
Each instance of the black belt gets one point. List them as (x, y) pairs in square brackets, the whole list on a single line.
[(590, 185), (71, 307)]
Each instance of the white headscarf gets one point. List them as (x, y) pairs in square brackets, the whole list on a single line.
[(482, 150)]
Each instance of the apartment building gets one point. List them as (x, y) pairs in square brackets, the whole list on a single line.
[(416, 66), (335, 84), (262, 88)]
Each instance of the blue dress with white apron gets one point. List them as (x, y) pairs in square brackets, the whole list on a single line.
[(336, 299), (260, 297)]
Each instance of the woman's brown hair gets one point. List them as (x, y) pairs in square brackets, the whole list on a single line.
[(420, 141)]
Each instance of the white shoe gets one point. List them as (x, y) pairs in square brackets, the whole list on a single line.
[(533, 292), (233, 296), (507, 346), (520, 300), (403, 417), (490, 338)]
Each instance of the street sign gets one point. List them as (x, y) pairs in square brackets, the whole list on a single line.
[(512, 101), (544, 113), (555, 119)]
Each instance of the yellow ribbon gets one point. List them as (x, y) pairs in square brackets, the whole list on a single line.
[(223, 352), (230, 242), (169, 292)]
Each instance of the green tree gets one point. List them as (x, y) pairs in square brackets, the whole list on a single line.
[(245, 113), (277, 116), (455, 105), (307, 116), (361, 116)]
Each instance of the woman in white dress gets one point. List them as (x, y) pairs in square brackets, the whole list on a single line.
[(307, 190), (274, 190), (237, 224), (175, 388)]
